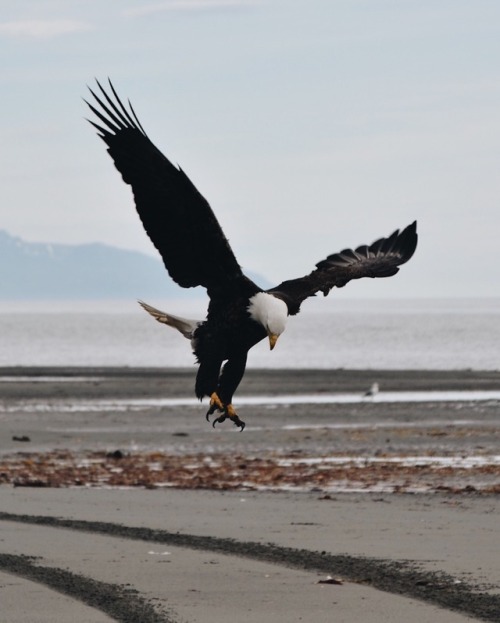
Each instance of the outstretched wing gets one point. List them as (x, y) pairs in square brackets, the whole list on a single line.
[(178, 220), (380, 259)]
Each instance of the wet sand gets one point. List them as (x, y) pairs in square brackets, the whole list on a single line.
[(136, 509)]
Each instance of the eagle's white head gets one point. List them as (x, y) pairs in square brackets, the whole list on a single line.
[(271, 312)]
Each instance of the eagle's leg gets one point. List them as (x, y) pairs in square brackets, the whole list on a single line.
[(226, 384), (216, 404), (230, 378), (207, 380)]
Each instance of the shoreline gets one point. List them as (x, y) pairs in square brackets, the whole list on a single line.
[(283, 380), (304, 429)]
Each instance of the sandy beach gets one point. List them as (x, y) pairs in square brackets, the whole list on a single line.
[(118, 501)]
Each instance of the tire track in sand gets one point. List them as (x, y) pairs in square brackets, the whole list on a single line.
[(119, 602), (400, 578)]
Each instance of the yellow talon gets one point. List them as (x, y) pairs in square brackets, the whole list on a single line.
[(227, 411), (215, 401)]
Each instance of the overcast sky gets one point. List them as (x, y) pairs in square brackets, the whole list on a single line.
[(309, 125)]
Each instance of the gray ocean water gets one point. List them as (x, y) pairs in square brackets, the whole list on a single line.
[(403, 334)]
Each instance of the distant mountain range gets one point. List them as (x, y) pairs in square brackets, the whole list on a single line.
[(34, 270)]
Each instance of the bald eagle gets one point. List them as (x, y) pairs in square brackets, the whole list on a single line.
[(195, 252)]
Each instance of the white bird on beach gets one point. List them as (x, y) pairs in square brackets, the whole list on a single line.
[(373, 391)]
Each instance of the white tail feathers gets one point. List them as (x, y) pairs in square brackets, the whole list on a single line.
[(183, 325)]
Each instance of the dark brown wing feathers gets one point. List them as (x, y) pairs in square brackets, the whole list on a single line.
[(176, 217), (380, 259)]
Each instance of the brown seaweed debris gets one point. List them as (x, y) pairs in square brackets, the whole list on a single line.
[(271, 471)]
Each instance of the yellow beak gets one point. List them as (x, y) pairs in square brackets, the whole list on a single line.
[(273, 338)]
